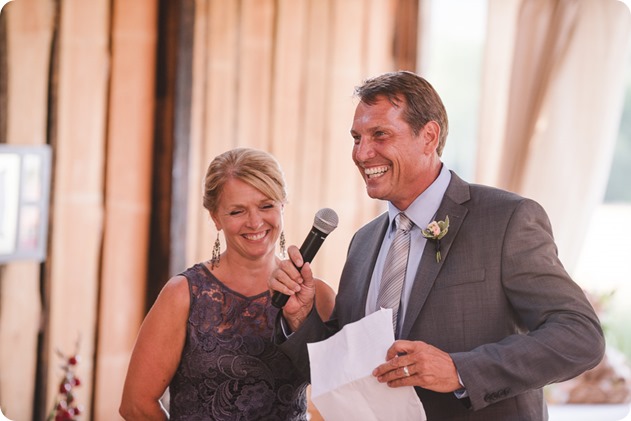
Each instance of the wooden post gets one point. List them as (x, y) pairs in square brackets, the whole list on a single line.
[(29, 28), (77, 219), (127, 198)]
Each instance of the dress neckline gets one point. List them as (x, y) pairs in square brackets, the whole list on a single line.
[(223, 285)]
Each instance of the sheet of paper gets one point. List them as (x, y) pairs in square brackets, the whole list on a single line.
[(342, 386)]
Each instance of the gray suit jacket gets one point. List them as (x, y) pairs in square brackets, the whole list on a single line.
[(499, 301)]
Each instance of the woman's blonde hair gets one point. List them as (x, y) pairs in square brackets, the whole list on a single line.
[(257, 168)]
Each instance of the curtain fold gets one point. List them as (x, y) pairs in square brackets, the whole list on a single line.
[(563, 98), (285, 85)]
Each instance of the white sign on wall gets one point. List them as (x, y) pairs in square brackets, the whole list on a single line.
[(24, 202)]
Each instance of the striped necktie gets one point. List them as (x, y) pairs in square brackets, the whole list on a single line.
[(394, 268)]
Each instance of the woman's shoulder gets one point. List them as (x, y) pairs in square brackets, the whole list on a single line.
[(176, 291)]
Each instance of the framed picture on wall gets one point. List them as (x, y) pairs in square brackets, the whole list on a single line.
[(24, 202)]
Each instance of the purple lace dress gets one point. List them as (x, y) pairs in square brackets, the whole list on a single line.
[(230, 369)]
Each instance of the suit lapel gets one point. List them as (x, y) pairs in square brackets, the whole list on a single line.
[(368, 249), (456, 194)]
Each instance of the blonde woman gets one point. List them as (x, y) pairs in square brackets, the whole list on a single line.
[(208, 335)]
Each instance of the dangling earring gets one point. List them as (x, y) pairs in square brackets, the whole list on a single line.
[(283, 251), (216, 253)]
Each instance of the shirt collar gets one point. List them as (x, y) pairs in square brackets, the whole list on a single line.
[(424, 207)]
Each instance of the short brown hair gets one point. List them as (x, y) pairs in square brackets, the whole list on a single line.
[(420, 100)]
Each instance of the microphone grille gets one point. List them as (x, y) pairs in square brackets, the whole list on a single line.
[(325, 220)]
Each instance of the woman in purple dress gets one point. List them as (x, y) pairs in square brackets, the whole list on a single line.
[(208, 335)]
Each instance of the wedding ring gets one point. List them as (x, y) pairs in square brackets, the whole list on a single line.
[(406, 371)]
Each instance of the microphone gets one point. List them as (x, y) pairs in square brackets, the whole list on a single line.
[(324, 222)]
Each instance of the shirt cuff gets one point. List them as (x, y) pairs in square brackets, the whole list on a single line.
[(462, 392), (285, 328)]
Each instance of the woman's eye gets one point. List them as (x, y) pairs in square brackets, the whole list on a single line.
[(268, 206), (235, 213)]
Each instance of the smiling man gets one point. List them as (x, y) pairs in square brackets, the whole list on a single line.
[(486, 315)]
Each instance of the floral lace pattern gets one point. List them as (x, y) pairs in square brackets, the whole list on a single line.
[(230, 369)]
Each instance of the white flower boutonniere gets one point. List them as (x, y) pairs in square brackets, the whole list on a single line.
[(435, 231)]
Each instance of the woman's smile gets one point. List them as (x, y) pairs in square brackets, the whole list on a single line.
[(255, 236)]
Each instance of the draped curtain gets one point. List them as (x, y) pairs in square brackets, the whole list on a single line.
[(552, 98), (279, 76), (135, 98)]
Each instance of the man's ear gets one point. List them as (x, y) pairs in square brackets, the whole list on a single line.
[(430, 133)]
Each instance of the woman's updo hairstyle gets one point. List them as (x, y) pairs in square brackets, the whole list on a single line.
[(257, 168)]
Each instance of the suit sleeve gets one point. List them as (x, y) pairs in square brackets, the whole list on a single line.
[(560, 335), (295, 346)]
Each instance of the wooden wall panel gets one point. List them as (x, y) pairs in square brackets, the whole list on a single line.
[(159, 262), (20, 313), (379, 56), (256, 31), (405, 34), (306, 189), (196, 223), (291, 95), (272, 74), (287, 100), (77, 219), (29, 34), (294, 99), (127, 197), (185, 12), (217, 77), (340, 178)]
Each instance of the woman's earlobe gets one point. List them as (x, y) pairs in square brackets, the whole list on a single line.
[(217, 227)]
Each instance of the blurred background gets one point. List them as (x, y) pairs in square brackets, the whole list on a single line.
[(111, 110)]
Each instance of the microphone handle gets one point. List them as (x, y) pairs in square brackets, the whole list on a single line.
[(308, 250)]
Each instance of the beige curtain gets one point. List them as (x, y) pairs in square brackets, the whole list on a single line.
[(279, 75), (552, 98)]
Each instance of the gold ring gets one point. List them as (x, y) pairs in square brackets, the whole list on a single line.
[(406, 371)]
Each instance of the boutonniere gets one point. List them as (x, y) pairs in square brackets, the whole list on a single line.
[(435, 231)]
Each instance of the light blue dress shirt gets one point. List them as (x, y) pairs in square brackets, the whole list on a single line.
[(422, 211)]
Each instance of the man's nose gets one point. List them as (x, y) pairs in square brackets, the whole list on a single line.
[(363, 151)]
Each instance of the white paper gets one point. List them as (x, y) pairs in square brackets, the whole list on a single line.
[(342, 385)]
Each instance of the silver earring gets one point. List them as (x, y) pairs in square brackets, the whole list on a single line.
[(283, 251), (216, 253)]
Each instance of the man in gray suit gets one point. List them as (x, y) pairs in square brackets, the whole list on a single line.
[(487, 314)]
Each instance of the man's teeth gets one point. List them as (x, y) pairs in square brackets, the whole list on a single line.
[(255, 237), (375, 171)]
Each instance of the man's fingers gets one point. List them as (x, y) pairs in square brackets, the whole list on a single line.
[(306, 275), (427, 366), (392, 365), (287, 287), (294, 254), (286, 278), (402, 347)]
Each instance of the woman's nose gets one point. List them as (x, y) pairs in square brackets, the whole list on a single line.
[(254, 219)]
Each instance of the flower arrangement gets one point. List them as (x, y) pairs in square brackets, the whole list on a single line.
[(66, 407), (435, 231)]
